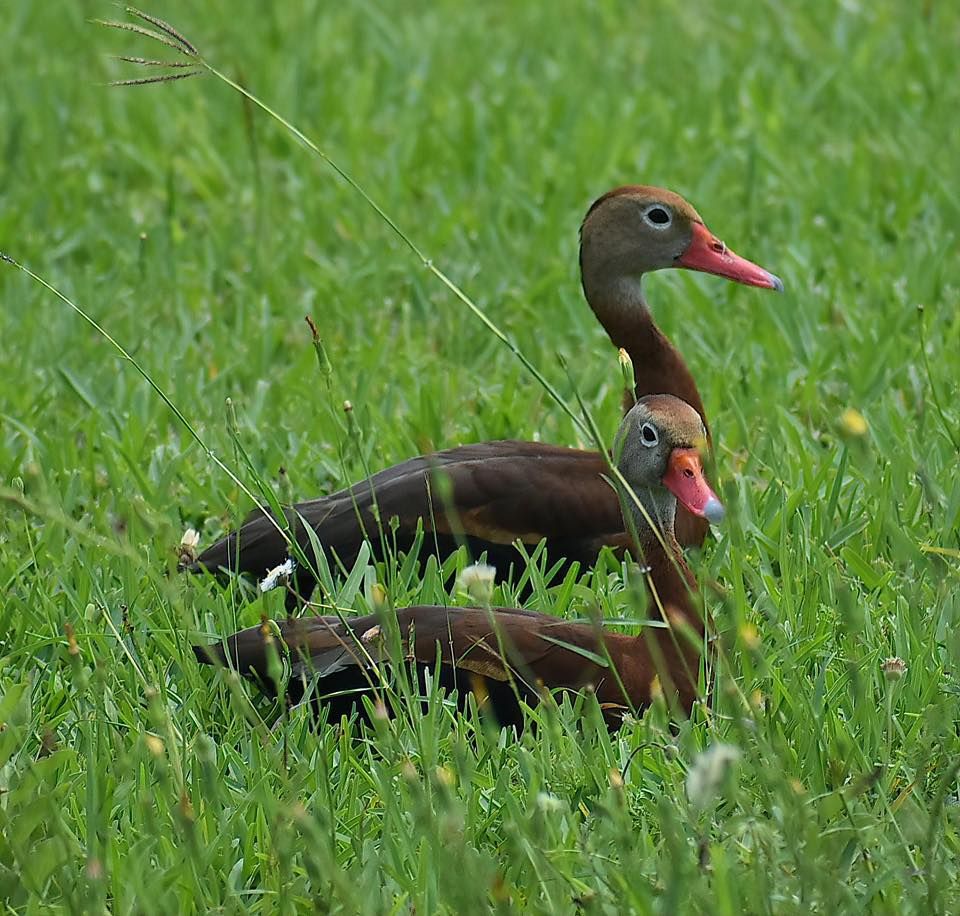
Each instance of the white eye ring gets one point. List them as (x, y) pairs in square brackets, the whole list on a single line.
[(658, 216), (649, 436)]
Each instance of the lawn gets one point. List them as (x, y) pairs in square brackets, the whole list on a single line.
[(818, 139)]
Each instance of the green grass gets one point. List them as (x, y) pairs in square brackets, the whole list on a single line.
[(819, 141)]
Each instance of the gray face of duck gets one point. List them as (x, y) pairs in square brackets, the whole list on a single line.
[(658, 452)]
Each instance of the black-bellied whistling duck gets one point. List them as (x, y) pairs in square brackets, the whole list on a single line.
[(503, 492), (505, 655)]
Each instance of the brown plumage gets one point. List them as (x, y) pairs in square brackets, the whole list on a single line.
[(503, 492), (505, 656), (499, 493)]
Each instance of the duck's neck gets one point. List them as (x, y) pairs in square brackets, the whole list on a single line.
[(619, 304), (671, 582)]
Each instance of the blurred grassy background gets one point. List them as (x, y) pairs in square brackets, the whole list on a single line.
[(818, 140)]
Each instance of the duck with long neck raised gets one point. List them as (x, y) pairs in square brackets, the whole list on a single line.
[(507, 657), (636, 230)]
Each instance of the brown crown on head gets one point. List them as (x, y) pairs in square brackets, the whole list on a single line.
[(647, 194)]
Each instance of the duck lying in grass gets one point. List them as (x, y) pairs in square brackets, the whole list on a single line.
[(507, 657), (499, 493)]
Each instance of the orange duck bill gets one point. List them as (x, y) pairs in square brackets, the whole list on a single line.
[(707, 253), (685, 480)]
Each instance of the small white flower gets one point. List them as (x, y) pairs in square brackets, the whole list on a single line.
[(190, 539), (548, 802), (187, 548), (478, 581), (279, 575), (709, 771)]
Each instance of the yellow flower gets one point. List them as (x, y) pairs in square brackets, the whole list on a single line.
[(853, 423), (154, 744), (750, 636)]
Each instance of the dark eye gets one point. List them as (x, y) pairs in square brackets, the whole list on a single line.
[(648, 434), (657, 216)]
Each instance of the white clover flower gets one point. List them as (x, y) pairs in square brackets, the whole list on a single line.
[(190, 539), (478, 582), (709, 771), (187, 548), (279, 575)]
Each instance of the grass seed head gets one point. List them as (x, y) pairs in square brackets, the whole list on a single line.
[(72, 646)]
